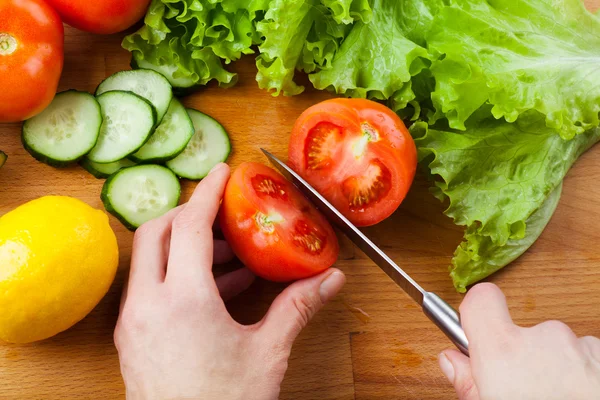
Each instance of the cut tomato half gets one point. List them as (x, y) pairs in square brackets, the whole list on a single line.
[(272, 228), (358, 154)]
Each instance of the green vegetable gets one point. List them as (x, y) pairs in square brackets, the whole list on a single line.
[(136, 195), (518, 55), (496, 175), (303, 35), (445, 59), (65, 131), (189, 43), (375, 59), (103, 171)]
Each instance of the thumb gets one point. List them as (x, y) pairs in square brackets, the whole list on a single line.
[(298, 303), (457, 368)]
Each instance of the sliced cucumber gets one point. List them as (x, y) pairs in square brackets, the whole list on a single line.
[(65, 131), (146, 83), (138, 194), (181, 86), (102, 171), (209, 146), (128, 122), (170, 137)]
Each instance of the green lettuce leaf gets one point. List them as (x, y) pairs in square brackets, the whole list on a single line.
[(518, 55), (495, 176), (301, 35), (189, 40), (348, 11), (478, 256), (375, 59)]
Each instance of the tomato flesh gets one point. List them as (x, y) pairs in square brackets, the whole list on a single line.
[(272, 228), (364, 191), (358, 154)]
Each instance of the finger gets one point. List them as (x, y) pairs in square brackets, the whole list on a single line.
[(485, 318), (124, 295), (298, 303), (191, 256), (151, 250), (222, 253), (457, 368), (591, 346), (234, 283)]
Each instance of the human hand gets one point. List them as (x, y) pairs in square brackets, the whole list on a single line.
[(174, 336), (547, 361)]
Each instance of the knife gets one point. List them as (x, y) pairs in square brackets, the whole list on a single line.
[(438, 311)]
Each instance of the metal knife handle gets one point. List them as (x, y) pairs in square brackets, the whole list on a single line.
[(447, 319)]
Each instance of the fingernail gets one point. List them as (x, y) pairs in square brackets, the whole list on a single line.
[(446, 367), (331, 286), (216, 168)]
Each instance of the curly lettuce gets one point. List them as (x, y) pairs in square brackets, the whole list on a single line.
[(375, 60), (189, 40), (517, 55), (496, 176), (302, 35)]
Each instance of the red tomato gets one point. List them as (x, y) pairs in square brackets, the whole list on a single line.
[(101, 16), (358, 154), (272, 228), (31, 57)]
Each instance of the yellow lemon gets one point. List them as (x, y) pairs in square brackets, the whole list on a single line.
[(58, 258)]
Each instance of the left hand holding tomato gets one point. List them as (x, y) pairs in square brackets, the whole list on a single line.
[(31, 57), (174, 335)]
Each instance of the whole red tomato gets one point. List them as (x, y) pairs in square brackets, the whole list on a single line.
[(358, 154), (101, 16), (31, 57), (272, 228)]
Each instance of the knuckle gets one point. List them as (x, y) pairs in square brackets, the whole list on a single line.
[(305, 306), (185, 302), (148, 229), (555, 327), (185, 221), (117, 338), (466, 390), (132, 319)]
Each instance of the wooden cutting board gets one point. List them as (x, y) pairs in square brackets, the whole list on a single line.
[(372, 341)]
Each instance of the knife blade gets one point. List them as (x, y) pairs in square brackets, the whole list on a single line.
[(440, 312)]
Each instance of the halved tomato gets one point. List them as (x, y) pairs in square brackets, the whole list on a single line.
[(358, 154), (272, 228)]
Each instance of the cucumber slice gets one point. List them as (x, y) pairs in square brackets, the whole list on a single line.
[(3, 158), (128, 122), (209, 146), (181, 86), (102, 171), (169, 139), (148, 84), (65, 131), (138, 194)]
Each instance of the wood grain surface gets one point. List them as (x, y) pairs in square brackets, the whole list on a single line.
[(372, 341)]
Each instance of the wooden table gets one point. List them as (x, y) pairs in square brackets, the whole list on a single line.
[(372, 341)]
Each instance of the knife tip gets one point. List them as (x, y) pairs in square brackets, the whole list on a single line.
[(266, 153)]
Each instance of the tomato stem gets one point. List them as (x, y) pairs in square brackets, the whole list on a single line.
[(8, 44)]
